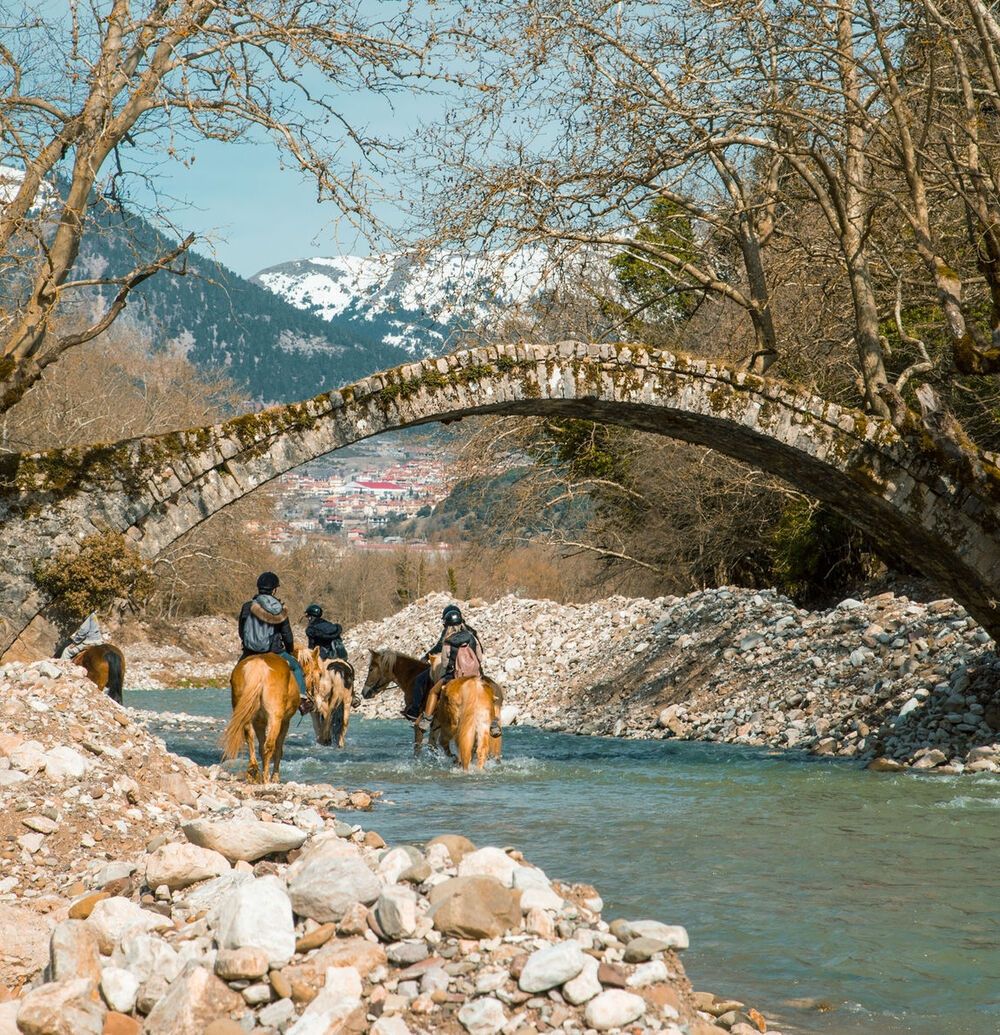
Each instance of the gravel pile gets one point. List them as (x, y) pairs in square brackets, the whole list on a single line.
[(142, 893), (884, 680)]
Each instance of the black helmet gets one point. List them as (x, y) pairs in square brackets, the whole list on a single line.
[(314, 611), (267, 582), (452, 616)]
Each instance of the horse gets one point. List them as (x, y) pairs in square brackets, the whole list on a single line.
[(331, 684), (388, 666), (105, 666), (265, 696), (463, 714)]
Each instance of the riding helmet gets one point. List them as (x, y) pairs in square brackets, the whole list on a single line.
[(267, 582), (314, 611), (452, 615)]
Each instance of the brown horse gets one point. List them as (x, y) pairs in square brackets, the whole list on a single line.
[(265, 695), (331, 685), (386, 667), (463, 715), (105, 665)]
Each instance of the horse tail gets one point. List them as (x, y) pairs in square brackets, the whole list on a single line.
[(473, 723), (116, 674), (233, 736)]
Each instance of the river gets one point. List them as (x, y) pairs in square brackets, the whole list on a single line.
[(833, 899)]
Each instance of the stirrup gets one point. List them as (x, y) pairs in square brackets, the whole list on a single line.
[(495, 730), (424, 723)]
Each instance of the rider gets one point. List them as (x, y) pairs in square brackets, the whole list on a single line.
[(88, 635), (454, 635), (265, 629), (325, 635)]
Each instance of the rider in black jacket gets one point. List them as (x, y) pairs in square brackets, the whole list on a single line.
[(325, 635)]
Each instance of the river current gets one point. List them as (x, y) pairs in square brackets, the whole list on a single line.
[(833, 899)]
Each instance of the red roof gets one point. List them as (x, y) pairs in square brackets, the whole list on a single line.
[(382, 485)]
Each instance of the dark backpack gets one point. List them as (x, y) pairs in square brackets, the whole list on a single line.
[(257, 634)]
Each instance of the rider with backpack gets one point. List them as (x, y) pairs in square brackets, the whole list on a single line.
[(325, 635), (265, 629), (460, 654)]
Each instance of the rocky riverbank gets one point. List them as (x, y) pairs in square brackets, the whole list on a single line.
[(886, 680), (142, 893)]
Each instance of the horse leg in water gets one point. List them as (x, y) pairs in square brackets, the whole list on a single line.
[(279, 751), (269, 748), (255, 773)]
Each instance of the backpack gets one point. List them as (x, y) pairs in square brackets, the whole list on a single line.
[(257, 634), (466, 661)]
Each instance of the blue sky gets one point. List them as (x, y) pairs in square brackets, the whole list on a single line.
[(254, 212)]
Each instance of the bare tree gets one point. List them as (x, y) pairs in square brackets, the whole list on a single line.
[(850, 132), (102, 90)]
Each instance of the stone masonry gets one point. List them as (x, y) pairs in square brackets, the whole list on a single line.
[(937, 508)]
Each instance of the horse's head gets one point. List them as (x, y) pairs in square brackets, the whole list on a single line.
[(324, 697), (379, 672)]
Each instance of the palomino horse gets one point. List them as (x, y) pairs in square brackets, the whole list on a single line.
[(331, 684), (458, 711), (105, 666), (389, 666), (265, 697), (463, 714)]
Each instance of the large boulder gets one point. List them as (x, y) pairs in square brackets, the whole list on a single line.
[(146, 955), (178, 865), (396, 912), (192, 1002), (458, 847), (62, 1008), (245, 839), (326, 881), (474, 907), (489, 862), (258, 915), (614, 1009), (115, 919), (74, 952), (552, 966)]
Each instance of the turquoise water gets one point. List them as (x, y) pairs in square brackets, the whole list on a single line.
[(800, 881)]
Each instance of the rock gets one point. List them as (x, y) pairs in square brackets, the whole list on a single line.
[(390, 1026), (178, 865), (932, 758), (885, 765), (120, 1024), (147, 955), (488, 862), (249, 840), (339, 997), (243, 964), (63, 763), (672, 935), (648, 974), (81, 908), (484, 1016), (305, 979), (474, 907), (396, 912), (641, 949), (614, 1009), (550, 967), (258, 914), (224, 1026), (277, 1015), (192, 1002), (407, 953), (62, 1008), (74, 952), (119, 988), (397, 861), (324, 884), (458, 847), (41, 824), (114, 919), (585, 985), (174, 785), (315, 938)]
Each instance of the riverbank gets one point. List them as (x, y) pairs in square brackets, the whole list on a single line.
[(884, 680), (142, 892)]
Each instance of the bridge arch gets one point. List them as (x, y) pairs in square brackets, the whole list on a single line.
[(937, 510)]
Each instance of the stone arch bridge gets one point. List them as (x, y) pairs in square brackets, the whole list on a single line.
[(936, 506)]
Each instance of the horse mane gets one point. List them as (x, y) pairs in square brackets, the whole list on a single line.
[(388, 656)]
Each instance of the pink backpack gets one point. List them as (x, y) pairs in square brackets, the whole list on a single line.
[(466, 662)]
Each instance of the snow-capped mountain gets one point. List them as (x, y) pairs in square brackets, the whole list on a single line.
[(418, 306)]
